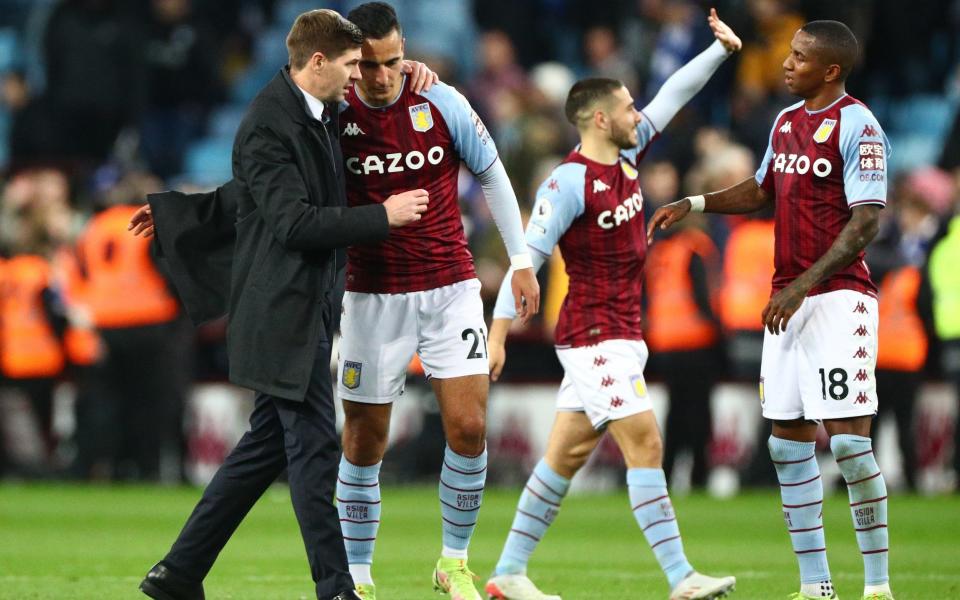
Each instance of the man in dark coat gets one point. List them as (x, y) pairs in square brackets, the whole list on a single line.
[(285, 263)]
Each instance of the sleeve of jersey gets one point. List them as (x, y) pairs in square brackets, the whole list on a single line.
[(763, 176), (559, 202), (502, 201), (674, 94), (865, 151), (470, 137), (684, 85)]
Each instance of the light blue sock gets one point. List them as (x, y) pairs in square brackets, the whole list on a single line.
[(538, 507), (461, 490), (802, 492), (868, 502), (654, 513), (358, 502)]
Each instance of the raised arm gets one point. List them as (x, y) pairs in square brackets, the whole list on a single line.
[(690, 78)]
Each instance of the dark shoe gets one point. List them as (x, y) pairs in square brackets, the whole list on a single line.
[(347, 595), (163, 584)]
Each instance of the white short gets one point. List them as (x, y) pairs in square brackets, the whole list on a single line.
[(604, 381), (381, 332), (822, 366)]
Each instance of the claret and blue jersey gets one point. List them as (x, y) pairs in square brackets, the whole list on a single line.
[(416, 142), (594, 212), (818, 166)]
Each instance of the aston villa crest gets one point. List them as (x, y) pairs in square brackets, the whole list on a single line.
[(823, 132), (351, 374), (421, 117)]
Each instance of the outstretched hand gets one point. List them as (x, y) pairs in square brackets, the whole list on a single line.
[(667, 215), (141, 223), (723, 33)]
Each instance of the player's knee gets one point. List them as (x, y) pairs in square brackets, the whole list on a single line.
[(468, 435), (574, 458), (363, 445), (645, 451)]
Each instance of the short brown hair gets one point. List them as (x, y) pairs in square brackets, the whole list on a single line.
[(585, 94), (321, 30)]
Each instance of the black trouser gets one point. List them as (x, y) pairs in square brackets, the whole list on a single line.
[(898, 394), (130, 404), (689, 377), (298, 436)]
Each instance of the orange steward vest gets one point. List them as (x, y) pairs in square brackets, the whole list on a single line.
[(122, 287), (29, 348), (903, 341), (674, 322), (747, 276)]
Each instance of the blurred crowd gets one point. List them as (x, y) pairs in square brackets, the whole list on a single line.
[(104, 101)]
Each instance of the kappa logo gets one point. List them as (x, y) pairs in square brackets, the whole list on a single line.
[(599, 186), (869, 131), (861, 353), (616, 402), (599, 361), (553, 185), (861, 375), (607, 381), (353, 129), (785, 128), (861, 331), (351, 374), (861, 308), (862, 398)]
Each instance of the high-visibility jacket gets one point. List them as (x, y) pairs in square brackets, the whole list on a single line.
[(747, 276), (121, 287), (903, 341), (945, 282), (674, 321), (29, 347), (81, 342)]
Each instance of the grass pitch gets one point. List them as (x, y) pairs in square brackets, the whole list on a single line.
[(65, 542)]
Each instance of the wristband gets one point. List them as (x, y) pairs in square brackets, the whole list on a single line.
[(696, 203), (521, 261)]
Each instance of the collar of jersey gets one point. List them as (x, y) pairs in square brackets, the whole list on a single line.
[(827, 107), (385, 106)]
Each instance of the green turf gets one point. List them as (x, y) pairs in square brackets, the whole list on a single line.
[(96, 542)]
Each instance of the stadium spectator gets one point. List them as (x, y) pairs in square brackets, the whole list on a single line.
[(33, 316), (94, 78), (130, 411), (182, 71), (945, 287), (683, 333)]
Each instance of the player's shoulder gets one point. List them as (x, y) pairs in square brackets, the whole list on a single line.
[(567, 178), (857, 111), (793, 108), (444, 96)]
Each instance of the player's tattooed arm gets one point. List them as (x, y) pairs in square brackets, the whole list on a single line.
[(744, 197), (853, 238)]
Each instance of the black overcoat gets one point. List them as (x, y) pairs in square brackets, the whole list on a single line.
[(267, 247)]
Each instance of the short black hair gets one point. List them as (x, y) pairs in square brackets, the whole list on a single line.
[(835, 44), (375, 19), (585, 94)]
